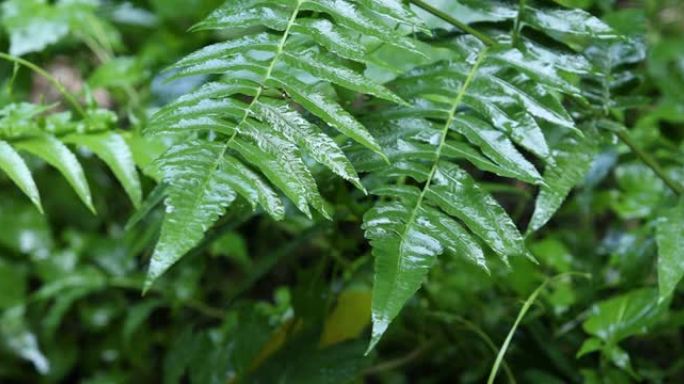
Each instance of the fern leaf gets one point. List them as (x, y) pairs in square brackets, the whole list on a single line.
[(491, 102), (253, 188), (281, 163), (15, 167), (280, 51), (405, 251), (326, 109), (113, 150), (283, 118), (398, 11), (455, 192), (326, 69), (573, 158), (192, 204), (361, 20), (59, 156), (406, 243), (497, 147)]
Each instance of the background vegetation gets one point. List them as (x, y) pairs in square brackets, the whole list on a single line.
[(90, 146)]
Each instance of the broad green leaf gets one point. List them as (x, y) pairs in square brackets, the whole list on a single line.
[(626, 315), (572, 159), (670, 238), (113, 150), (15, 167), (197, 195), (59, 156), (32, 25)]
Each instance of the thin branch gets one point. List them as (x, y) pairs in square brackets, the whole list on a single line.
[(451, 20), (60, 87), (624, 136), (196, 305), (400, 361)]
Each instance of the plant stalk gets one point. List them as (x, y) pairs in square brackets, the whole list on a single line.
[(451, 20), (624, 136), (60, 87)]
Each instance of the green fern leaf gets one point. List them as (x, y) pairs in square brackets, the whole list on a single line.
[(280, 61), (670, 238), (59, 156), (15, 167), (192, 204), (489, 106), (113, 150), (573, 158), (283, 118)]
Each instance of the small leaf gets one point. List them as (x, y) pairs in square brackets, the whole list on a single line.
[(281, 163), (317, 144), (459, 195), (326, 109), (497, 147), (59, 156), (670, 238), (572, 160), (15, 167), (21, 340), (326, 69), (113, 150)]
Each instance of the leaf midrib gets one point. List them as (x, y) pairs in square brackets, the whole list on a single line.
[(260, 90), (433, 170)]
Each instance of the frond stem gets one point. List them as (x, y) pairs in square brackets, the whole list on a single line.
[(269, 71), (518, 20), (451, 20), (651, 162), (40, 71), (433, 170)]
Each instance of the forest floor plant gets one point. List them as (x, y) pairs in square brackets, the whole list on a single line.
[(335, 191)]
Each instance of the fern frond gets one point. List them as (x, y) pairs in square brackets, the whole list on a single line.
[(273, 76), (22, 128), (480, 107)]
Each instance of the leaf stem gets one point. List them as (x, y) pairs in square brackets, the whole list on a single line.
[(523, 311), (60, 87), (624, 136), (451, 20), (517, 26)]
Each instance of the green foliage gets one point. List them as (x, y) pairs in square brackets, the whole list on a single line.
[(341, 191)]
